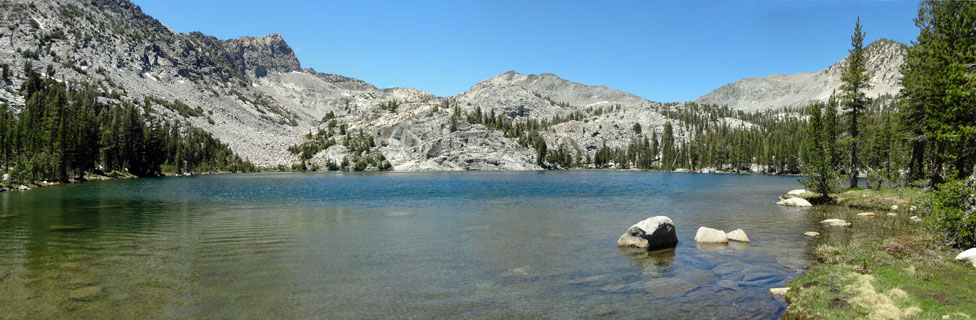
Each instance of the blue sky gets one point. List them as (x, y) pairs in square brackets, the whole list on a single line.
[(660, 50)]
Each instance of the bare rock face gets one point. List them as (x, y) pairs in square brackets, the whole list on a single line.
[(649, 233), (255, 56), (607, 115), (884, 58)]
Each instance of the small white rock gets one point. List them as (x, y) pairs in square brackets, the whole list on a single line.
[(894, 207), (794, 202), (811, 234), (709, 235), (866, 214), (778, 291), (836, 223), (737, 235), (892, 214), (796, 192), (915, 219)]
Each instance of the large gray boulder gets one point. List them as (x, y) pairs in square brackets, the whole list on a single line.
[(649, 233)]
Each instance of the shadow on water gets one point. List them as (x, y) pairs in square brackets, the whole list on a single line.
[(641, 257)]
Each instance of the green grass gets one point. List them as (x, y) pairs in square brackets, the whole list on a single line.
[(878, 199), (923, 282)]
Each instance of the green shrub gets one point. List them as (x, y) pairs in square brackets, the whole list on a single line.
[(946, 217)]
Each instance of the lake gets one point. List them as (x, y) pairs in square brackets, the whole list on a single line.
[(402, 245)]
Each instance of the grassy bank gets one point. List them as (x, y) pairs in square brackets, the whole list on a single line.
[(894, 278), (884, 267)]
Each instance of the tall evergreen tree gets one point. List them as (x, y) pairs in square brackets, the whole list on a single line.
[(855, 77), (820, 176), (939, 87)]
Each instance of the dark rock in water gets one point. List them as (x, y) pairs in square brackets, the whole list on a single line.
[(65, 228), (650, 233)]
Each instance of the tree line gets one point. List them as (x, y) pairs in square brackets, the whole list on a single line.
[(63, 132), (926, 133)]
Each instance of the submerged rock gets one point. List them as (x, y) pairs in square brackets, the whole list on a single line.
[(915, 219), (709, 235), (85, 294), (737, 235), (811, 234), (892, 214), (836, 223), (712, 246), (795, 202), (649, 233), (968, 256), (82, 281)]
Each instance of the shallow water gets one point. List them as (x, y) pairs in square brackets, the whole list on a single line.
[(419, 245)]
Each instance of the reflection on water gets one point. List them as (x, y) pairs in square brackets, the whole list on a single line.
[(403, 245)]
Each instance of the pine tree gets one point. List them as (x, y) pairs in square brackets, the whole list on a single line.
[(939, 90), (820, 176), (855, 78), (667, 144)]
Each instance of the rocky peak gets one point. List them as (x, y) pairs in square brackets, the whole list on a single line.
[(884, 60), (256, 56)]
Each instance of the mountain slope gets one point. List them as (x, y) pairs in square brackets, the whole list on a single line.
[(253, 94), (884, 58), (607, 116)]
